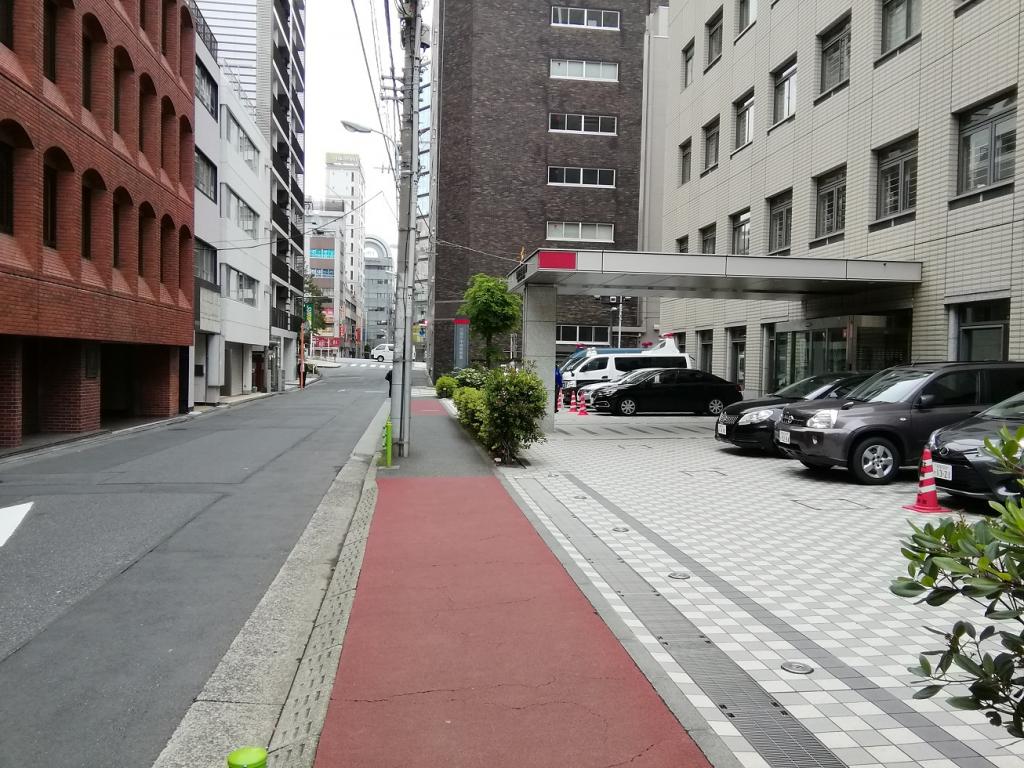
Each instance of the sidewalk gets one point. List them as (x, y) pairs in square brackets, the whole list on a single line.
[(469, 644)]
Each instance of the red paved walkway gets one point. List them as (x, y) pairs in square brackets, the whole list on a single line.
[(469, 645)]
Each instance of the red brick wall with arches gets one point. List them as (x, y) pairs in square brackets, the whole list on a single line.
[(96, 115)]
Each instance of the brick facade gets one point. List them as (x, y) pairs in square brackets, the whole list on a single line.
[(10, 391), (130, 279), (495, 148)]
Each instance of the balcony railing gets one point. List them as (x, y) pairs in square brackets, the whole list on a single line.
[(279, 318), (281, 110), (296, 190), (281, 247), (279, 268), (281, 60), (280, 164), (297, 237), (280, 217), (202, 28), (296, 280)]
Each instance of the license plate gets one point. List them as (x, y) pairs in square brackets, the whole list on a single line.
[(943, 471), (721, 429), (784, 437)]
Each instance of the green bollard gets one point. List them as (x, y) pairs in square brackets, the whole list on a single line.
[(248, 757), (387, 443)]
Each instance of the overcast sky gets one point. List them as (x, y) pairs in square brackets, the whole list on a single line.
[(337, 88)]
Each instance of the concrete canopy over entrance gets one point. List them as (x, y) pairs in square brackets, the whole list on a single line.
[(704, 276), (548, 272)]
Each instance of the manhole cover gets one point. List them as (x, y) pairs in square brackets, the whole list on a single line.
[(620, 529), (679, 575), (797, 667)]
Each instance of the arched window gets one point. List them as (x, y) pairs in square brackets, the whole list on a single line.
[(168, 139), (92, 189), (124, 103), (168, 252), (14, 150), (121, 209), (149, 122), (57, 187), (93, 42), (186, 46), (7, 23), (146, 242)]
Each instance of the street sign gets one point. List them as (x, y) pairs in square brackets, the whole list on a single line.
[(309, 314)]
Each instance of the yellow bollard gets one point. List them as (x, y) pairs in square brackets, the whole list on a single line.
[(248, 757)]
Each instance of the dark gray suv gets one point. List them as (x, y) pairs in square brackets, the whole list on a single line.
[(884, 423)]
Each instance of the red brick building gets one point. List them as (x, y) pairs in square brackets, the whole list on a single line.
[(96, 164)]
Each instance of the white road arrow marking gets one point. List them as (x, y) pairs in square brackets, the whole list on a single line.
[(10, 519)]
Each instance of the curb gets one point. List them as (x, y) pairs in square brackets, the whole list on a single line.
[(273, 685)]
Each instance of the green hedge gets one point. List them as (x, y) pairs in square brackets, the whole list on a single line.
[(472, 410), (445, 386), (474, 378)]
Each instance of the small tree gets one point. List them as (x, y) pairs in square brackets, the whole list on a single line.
[(315, 295), (983, 562), (515, 401), (492, 309)]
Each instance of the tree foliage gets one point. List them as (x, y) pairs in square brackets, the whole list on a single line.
[(314, 294), (492, 310), (984, 563)]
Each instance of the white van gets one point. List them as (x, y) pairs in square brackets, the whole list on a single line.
[(384, 353), (600, 368)]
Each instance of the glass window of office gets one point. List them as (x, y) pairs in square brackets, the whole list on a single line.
[(983, 330), (988, 144)]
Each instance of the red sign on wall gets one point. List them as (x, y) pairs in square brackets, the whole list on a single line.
[(326, 342)]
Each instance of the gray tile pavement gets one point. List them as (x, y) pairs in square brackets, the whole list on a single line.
[(782, 565)]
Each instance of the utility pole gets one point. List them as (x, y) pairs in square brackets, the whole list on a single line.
[(401, 406)]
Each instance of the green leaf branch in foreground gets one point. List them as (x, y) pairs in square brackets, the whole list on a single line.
[(981, 562)]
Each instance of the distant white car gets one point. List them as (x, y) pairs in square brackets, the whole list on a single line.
[(383, 353)]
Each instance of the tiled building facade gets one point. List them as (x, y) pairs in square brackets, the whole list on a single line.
[(96, 149), (875, 129), (539, 132)]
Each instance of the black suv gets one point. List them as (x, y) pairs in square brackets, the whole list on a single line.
[(884, 423)]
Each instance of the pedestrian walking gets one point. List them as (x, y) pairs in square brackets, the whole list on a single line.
[(387, 376), (558, 389)]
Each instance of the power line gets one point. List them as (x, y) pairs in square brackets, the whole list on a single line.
[(373, 91)]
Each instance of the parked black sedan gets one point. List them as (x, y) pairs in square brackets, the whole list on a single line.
[(750, 424), (668, 390), (962, 465)]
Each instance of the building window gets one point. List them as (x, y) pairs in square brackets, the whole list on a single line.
[(50, 180), (711, 145), (581, 177), (744, 110), (706, 349), (561, 123), (831, 203), (86, 222), (746, 13), (240, 140), (901, 20), (6, 189), (118, 85), (835, 55), (241, 287), (780, 221), (581, 231), (983, 330), (50, 40), (7, 23), (234, 208), (988, 143), (87, 51), (785, 92), (685, 161), (205, 261), (206, 176), (713, 34), (741, 233), (588, 334), (897, 178), (561, 16), (206, 88), (686, 75), (707, 239), (572, 69), (683, 244)]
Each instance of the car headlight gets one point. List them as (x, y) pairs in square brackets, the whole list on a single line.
[(823, 419), (755, 417), (931, 438)]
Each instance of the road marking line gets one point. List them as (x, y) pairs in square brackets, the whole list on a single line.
[(341, 390), (10, 519)]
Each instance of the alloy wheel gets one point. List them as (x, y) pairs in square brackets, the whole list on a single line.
[(877, 461), (627, 407), (715, 407)]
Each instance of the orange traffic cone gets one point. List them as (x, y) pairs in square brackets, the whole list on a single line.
[(927, 498), (572, 406), (582, 406)]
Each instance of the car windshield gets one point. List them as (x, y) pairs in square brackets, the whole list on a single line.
[(805, 388), (1011, 409), (890, 386), (572, 365)]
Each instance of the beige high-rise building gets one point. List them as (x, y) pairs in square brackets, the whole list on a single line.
[(856, 129)]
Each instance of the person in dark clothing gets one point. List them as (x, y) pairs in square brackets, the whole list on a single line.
[(558, 389), (387, 376)]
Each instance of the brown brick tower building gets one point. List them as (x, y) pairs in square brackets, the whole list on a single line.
[(96, 163), (538, 146)]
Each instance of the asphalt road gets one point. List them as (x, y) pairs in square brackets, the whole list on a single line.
[(142, 557)]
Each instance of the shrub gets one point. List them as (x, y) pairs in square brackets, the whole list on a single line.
[(471, 377), (983, 562), (516, 402), (445, 386), (472, 410)]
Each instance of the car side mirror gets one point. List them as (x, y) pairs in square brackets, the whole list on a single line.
[(925, 401)]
